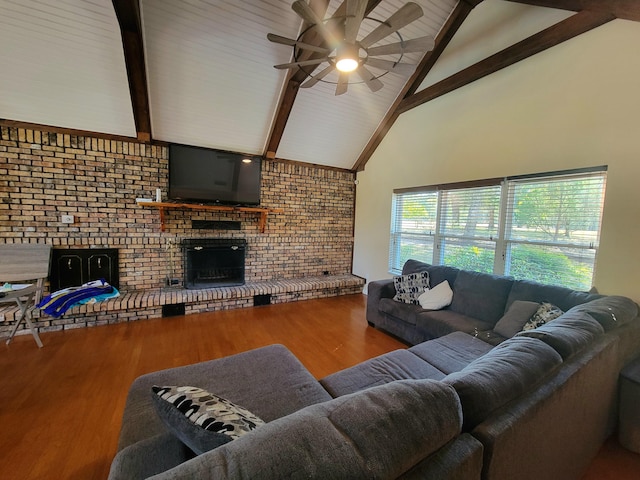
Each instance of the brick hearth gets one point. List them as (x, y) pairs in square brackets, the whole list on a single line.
[(144, 304)]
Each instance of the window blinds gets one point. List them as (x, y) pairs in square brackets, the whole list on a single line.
[(412, 228), (544, 228)]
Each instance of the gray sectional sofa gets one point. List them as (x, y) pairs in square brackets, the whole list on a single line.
[(480, 300), (460, 403)]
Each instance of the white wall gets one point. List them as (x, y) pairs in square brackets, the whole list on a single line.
[(575, 105)]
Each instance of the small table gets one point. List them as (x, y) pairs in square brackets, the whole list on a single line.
[(629, 415)]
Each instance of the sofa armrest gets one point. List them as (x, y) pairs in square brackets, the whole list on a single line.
[(376, 291)]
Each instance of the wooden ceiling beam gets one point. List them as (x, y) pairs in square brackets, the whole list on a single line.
[(447, 32), (569, 28), (623, 9), (296, 77), (128, 15)]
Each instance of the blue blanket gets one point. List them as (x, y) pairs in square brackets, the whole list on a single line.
[(59, 302)]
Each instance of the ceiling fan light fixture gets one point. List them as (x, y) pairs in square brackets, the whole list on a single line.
[(341, 49), (347, 59)]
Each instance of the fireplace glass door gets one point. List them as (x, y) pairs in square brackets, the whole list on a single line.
[(213, 262)]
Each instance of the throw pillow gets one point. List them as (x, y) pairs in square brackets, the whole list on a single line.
[(201, 420), (517, 315), (544, 314), (438, 297), (409, 287)]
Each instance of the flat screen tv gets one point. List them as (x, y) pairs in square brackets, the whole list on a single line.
[(213, 176)]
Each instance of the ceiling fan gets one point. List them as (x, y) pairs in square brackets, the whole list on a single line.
[(341, 49)]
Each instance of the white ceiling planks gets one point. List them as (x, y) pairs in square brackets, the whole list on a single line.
[(62, 65), (210, 70)]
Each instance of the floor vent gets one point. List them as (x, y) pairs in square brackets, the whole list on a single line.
[(173, 310), (259, 300)]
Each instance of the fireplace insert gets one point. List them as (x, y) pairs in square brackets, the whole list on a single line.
[(213, 262)]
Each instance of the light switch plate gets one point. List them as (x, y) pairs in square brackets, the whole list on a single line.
[(67, 219)]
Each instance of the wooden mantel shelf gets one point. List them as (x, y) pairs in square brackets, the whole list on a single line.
[(162, 206)]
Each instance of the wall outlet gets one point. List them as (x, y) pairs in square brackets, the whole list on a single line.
[(67, 219)]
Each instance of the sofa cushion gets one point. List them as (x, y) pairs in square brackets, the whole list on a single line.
[(407, 313), (285, 386), (378, 433), (201, 420), (440, 273), (436, 298), (506, 372), (567, 334), (452, 352), (480, 295), (544, 314), (437, 323), (148, 457), (396, 365), (414, 266), (564, 298), (611, 312), (460, 459), (437, 273), (409, 287), (517, 315)]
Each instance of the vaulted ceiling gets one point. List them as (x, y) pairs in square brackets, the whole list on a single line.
[(200, 72)]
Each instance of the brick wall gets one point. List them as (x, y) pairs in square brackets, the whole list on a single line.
[(45, 175)]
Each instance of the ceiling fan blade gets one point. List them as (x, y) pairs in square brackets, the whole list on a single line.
[(404, 16), (295, 43), (304, 63), (421, 44), (355, 13), (370, 79), (343, 83), (394, 67), (305, 12), (316, 78)]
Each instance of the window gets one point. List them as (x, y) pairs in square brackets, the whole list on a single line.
[(468, 228), (553, 229), (544, 228), (413, 228)]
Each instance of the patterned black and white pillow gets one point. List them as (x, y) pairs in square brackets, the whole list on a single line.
[(409, 287), (202, 420), (545, 313)]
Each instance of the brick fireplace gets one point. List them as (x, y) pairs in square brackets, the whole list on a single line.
[(44, 175)]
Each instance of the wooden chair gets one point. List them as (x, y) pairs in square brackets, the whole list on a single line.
[(21, 263)]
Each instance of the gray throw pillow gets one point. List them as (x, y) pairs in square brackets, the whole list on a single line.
[(518, 313), (201, 420)]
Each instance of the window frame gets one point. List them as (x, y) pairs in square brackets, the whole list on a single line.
[(503, 243)]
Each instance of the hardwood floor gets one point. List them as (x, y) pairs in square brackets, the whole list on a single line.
[(60, 406)]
